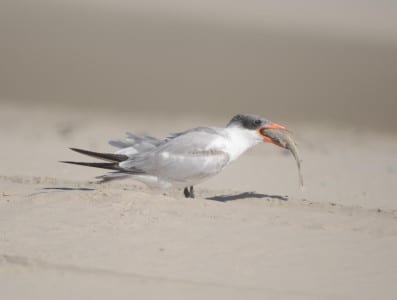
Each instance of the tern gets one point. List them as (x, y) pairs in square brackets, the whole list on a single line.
[(182, 159)]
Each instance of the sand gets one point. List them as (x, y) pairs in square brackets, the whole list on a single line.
[(250, 233)]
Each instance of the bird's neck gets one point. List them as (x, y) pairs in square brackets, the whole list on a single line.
[(240, 140)]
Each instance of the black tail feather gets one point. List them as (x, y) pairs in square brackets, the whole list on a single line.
[(109, 166), (113, 164), (104, 156)]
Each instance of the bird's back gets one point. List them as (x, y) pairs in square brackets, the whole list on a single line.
[(187, 157)]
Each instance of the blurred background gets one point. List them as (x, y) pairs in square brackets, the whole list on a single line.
[(314, 61)]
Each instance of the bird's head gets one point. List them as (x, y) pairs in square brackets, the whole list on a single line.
[(257, 125)]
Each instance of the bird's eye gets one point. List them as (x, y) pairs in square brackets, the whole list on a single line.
[(257, 122)]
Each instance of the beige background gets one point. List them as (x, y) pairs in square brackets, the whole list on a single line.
[(333, 62)]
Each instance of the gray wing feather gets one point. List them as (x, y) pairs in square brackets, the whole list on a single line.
[(208, 130), (184, 157), (134, 144)]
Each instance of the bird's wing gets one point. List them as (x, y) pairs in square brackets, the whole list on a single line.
[(208, 130), (134, 144), (187, 156)]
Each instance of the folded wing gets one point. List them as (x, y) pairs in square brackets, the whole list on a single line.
[(187, 157)]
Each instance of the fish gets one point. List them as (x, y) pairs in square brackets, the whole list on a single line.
[(284, 139)]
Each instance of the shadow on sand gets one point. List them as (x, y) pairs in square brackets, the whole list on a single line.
[(245, 195), (67, 189)]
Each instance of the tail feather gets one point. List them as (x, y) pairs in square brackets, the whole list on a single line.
[(104, 156), (113, 164), (109, 166), (112, 176)]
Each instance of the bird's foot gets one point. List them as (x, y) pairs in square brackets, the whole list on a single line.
[(191, 191), (188, 192)]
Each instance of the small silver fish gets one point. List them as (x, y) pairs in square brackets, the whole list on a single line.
[(283, 138)]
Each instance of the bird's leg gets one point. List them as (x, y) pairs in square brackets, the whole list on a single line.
[(191, 191), (186, 192)]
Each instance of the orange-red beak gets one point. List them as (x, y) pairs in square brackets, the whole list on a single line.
[(262, 133), (274, 126)]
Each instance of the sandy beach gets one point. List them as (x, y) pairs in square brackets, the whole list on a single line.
[(79, 73), (250, 232)]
